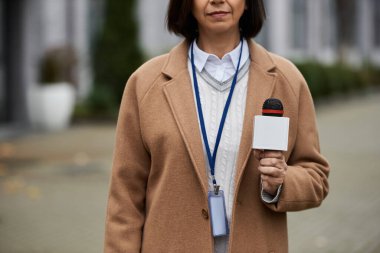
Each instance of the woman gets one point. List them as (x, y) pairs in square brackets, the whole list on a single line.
[(165, 166)]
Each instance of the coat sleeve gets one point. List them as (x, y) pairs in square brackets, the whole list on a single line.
[(130, 170), (305, 184)]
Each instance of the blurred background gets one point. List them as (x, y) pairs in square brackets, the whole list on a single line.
[(64, 64)]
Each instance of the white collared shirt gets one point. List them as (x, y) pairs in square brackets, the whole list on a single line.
[(220, 69)]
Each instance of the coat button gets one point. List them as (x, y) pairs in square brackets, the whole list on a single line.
[(205, 214)]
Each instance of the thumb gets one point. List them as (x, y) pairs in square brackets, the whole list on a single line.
[(257, 153)]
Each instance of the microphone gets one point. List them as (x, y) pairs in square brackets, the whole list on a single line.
[(273, 107), (271, 129)]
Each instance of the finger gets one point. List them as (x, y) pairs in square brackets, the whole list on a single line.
[(269, 162), (273, 162), (273, 154), (271, 171)]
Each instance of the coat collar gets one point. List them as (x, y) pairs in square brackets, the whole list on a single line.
[(179, 94), (178, 56)]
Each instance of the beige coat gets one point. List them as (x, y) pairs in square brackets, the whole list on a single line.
[(158, 192)]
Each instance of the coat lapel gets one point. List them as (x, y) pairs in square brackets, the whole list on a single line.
[(179, 93), (260, 87)]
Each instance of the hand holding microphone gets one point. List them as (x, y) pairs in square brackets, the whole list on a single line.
[(270, 139), (273, 169)]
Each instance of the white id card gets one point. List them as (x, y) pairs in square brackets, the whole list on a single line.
[(218, 215)]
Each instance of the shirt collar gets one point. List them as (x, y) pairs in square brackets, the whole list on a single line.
[(201, 57)]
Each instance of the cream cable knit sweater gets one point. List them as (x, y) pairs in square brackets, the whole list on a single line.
[(213, 101)]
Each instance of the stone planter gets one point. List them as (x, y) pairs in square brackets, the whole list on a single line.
[(51, 106)]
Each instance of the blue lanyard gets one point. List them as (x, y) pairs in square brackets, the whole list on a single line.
[(212, 158)]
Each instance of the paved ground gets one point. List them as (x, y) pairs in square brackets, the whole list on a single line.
[(349, 219), (53, 187)]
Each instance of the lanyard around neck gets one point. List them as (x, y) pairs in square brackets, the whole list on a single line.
[(212, 158)]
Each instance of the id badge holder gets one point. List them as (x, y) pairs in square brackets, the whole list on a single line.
[(218, 215)]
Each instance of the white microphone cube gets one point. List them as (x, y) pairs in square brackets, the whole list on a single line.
[(271, 133)]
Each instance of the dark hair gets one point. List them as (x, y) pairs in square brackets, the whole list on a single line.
[(181, 21)]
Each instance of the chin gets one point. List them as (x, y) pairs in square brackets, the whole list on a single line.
[(220, 29), (223, 32)]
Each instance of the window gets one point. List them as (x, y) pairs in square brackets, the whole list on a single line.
[(347, 22), (376, 24), (96, 16), (328, 24), (299, 24), (2, 81)]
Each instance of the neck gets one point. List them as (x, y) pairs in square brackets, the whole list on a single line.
[(218, 44)]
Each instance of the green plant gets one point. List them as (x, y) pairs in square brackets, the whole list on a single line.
[(370, 73), (117, 52), (100, 104), (316, 78), (324, 80), (343, 78), (58, 65)]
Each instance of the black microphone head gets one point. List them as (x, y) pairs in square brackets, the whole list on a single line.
[(273, 107)]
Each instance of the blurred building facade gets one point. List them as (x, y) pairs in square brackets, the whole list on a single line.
[(310, 29), (29, 28), (297, 29)]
